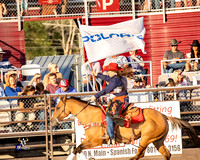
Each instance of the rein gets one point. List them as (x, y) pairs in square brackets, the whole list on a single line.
[(83, 108)]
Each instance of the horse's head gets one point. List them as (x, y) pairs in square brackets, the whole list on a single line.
[(61, 111)]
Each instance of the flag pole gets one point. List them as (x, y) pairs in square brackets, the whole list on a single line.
[(95, 82), (101, 104)]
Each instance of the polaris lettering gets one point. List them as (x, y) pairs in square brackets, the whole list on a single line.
[(101, 36)]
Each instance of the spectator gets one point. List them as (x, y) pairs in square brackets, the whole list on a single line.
[(2, 94), (172, 54), (11, 88), (87, 75), (169, 95), (181, 80), (26, 103), (35, 80), (4, 63), (64, 88), (53, 85), (3, 10), (116, 59), (40, 89), (24, 7), (138, 68), (53, 68), (195, 53), (138, 83), (40, 100), (14, 73)]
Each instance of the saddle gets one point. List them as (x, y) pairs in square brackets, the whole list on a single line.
[(133, 115)]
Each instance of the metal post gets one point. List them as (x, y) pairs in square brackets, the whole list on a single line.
[(18, 16), (164, 11), (46, 126), (133, 9), (151, 78), (86, 12)]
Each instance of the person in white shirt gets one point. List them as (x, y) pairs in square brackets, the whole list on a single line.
[(87, 78), (120, 60)]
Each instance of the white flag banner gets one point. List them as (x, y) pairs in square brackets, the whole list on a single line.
[(105, 41)]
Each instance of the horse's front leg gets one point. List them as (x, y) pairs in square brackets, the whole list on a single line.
[(86, 144)]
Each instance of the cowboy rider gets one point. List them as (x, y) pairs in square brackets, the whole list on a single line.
[(117, 85)]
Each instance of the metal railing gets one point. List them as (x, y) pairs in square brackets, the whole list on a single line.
[(175, 60), (26, 9), (190, 111)]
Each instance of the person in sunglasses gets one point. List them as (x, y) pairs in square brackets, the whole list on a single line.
[(174, 53)]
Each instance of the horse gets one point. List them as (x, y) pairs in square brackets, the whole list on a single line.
[(153, 129)]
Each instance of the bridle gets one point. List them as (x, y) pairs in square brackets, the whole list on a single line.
[(75, 114)]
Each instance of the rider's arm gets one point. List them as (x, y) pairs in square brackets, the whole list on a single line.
[(114, 83), (104, 77)]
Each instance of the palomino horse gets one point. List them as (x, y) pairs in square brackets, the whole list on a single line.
[(152, 130)]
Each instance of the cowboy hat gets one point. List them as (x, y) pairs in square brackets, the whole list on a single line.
[(1, 50), (195, 43), (112, 67), (174, 42)]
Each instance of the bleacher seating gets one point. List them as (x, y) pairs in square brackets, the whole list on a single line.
[(5, 116)]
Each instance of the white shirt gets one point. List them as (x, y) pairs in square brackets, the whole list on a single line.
[(118, 59)]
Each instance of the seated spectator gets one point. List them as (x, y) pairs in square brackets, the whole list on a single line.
[(116, 59), (195, 53), (138, 68), (172, 54), (2, 94), (35, 80), (181, 80), (53, 85), (3, 10), (40, 100), (26, 103), (169, 95), (64, 88), (14, 73), (53, 69), (11, 88), (40, 89), (87, 75)]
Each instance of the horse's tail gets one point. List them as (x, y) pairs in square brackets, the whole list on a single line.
[(186, 127)]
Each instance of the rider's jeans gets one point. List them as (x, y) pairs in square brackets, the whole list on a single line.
[(110, 127)]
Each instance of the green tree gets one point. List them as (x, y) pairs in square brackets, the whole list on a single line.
[(37, 40)]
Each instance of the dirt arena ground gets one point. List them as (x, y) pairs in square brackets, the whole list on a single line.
[(188, 154)]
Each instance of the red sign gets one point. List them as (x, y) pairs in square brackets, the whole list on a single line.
[(107, 5), (42, 2)]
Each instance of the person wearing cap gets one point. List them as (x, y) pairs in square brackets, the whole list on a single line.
[(4, 63), (117, 85), (64, 88), (173, 54), (195, 53)]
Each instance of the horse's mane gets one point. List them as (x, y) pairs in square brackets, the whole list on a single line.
[(79, 99)]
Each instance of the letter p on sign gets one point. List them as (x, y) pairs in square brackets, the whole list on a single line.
[(107, 5)]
